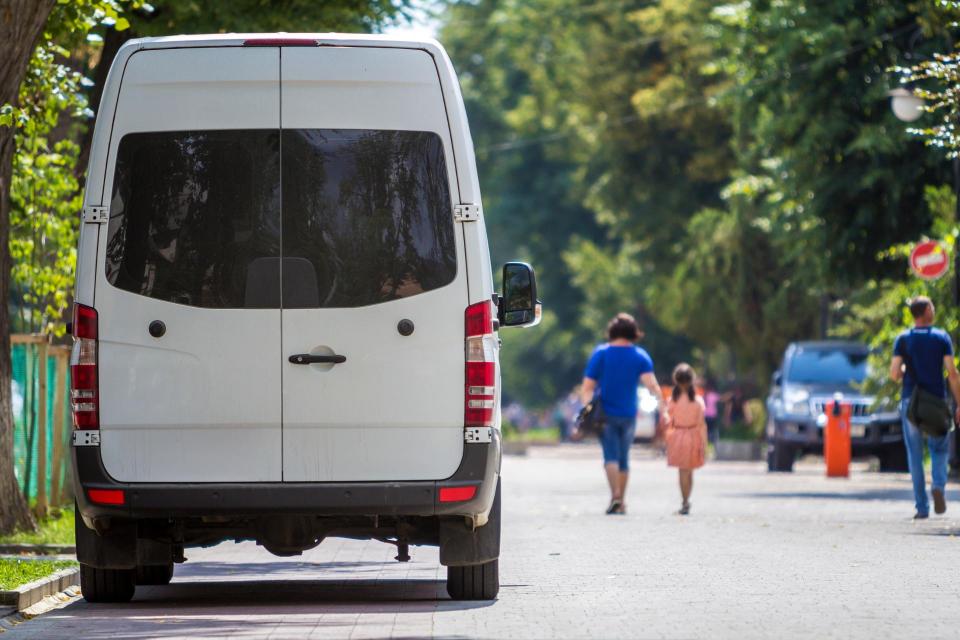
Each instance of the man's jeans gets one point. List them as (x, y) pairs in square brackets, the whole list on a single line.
[(939, 447)]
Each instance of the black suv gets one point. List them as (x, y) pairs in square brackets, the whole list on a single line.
[(811, 374)]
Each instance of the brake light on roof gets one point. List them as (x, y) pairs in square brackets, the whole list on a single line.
[(481, 366), (84, 384), (280, 42)]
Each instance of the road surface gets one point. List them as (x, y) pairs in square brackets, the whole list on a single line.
[(786, 555)]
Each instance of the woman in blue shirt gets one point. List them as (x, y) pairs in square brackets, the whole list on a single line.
[(615, 370)]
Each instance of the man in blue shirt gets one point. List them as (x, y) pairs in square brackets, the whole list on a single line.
[(616, 368), (929, 351)]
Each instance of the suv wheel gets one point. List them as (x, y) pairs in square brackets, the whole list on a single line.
[(107, 585), (893, 460), (780, 457), (154, 574), (475, 582)]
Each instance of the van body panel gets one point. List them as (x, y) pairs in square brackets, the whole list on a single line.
[(394, 409), (202, 404)]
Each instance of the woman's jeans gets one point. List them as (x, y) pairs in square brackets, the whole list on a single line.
[(939, 447), (616, 439)]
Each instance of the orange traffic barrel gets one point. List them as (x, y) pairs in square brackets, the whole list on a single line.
[(836, 439)]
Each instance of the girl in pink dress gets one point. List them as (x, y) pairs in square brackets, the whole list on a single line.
[(687, 437)]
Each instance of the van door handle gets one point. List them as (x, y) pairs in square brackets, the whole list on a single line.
[(307, 358)]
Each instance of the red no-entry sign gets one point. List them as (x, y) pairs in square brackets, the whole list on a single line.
[(929, 260)]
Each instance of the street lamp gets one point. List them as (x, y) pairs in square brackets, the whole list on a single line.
[(906, 106)]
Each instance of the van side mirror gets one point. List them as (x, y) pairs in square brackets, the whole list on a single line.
[(519, 306), (777, 378)]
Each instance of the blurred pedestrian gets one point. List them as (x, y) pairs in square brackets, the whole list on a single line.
[(687, 435), (711, 402), (925, 351), (614, 372)]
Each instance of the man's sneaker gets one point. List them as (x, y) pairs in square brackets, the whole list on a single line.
[(939, 501), (920, 516)]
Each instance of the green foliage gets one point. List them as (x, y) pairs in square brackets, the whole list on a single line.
[(166, 17), (938, 82), (729, 173), (44, 193), (879, 312)]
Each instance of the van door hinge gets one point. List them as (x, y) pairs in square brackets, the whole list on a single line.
[(466, 212), (96, 214), (86, 438), (478, 434)]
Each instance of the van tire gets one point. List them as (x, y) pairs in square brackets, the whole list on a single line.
[(154, 574), (107, 585), (474, 582)]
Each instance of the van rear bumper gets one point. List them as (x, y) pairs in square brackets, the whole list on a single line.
[(479, 466)]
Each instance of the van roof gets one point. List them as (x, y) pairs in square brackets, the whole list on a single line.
[(329, 39)]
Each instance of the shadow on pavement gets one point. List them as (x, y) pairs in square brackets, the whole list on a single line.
[(863, 494), (282, 608), (314, 595)]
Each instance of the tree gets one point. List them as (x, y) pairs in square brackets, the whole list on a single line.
[(21, 24), (937, 80)]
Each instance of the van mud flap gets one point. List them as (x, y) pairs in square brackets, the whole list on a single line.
[(118, 547), (460, 545)]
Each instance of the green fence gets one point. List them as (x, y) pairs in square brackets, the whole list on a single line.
[(41, 420)]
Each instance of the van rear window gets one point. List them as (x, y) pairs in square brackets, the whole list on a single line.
[(370, 211), (191, 211), (345, 218)]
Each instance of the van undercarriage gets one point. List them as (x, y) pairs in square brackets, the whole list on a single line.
[(139, 540)]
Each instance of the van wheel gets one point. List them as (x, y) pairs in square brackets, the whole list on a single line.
[(474, 582), (107, 585), (154, 574)]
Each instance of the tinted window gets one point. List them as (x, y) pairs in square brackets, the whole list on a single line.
[(827, 366), (195, 217), (367, 217)]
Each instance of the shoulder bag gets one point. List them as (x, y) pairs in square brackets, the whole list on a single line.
[(591, 418)]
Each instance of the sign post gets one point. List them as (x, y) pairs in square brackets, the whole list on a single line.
[(929, 260)]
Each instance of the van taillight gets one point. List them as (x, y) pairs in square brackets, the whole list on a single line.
[(480, 383), (84, 387)]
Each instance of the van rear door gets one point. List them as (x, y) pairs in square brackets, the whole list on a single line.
[(373, 268), (192, 241)]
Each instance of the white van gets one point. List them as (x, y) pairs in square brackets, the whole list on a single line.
[(286, 323)]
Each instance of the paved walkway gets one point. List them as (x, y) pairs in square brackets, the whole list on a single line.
[(792, 556)]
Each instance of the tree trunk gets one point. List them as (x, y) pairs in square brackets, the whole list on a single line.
[(21, 23)]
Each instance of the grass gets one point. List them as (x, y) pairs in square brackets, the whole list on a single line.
[(740, 432), (56, 529), (15, 572), (546, 435)]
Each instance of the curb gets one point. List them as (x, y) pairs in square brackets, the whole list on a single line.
[(39, 549), (31, 593)]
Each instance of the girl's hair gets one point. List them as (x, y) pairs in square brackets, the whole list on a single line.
[(683, 376)]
